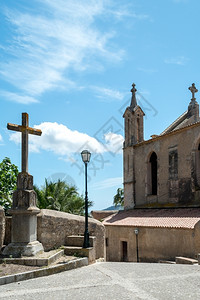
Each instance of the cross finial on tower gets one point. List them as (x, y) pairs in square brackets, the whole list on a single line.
[(193, 90), (133, 99)]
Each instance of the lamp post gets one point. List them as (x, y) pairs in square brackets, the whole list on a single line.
[(85, 154), (137, 250)]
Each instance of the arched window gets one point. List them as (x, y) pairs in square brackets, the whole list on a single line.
[(138, 129), (153, 173), (128, 132)]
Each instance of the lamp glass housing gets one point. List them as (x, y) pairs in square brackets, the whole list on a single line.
[(85, 154)]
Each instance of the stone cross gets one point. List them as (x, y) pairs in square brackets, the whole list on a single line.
[(133, 99), (25, 130), (133, 90), (193, 90)]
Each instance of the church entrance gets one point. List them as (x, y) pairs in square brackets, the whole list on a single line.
[(124, 252)]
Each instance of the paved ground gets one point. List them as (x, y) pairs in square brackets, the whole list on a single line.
[(112, 281)]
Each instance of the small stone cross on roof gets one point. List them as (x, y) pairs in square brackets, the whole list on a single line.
[(193, 90), (133, 90), (25, 130), (133, 99)]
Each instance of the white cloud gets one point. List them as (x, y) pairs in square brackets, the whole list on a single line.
[(107, 94), (114, 142), (108, 183), (18, 98), (1, 139), (63, 141), (47, 45), (180, 60)]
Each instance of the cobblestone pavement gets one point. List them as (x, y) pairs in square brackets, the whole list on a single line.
[(112, 281)]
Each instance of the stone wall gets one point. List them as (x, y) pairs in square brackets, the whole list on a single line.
[(2, 226), (55, 226), (154, 244), (177, 182)]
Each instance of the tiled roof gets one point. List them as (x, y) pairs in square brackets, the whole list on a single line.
[(188, 126), (179, 121), (168, 218)]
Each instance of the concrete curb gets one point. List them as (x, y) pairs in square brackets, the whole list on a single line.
[(77, 263)]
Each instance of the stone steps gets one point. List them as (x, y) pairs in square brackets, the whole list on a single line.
[(77, 240), (44, 259), (74, 246)]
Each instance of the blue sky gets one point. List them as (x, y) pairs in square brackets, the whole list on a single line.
[(71, 64)]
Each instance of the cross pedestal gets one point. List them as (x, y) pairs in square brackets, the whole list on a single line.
[(24, 210)]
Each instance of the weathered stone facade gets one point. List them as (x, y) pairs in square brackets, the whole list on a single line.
[(165, 170), (161, 176)]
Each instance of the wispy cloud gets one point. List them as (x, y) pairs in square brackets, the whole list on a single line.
[(148, 71), (108, 183), (18, 98), (1, 139), (179, 60), (63, 141), (48, 45), (107, 94)]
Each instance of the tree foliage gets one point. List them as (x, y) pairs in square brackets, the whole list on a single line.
[(60, 196), (119, 197), (8, 182)]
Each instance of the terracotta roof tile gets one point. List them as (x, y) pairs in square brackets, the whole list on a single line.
[(169, 218)]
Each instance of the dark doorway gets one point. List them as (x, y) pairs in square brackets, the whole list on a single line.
[(154, 176), (124, 251)]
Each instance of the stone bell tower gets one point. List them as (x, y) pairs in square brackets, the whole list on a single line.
[(134, 134)]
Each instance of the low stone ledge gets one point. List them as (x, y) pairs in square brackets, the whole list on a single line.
[(84, 252), (35, 261), (186, 260), (167, 262), (77, 263)]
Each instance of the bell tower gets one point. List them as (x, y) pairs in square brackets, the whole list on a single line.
[(134, 134), (133, 116)]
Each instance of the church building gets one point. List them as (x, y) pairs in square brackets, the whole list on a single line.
[(161, 217)]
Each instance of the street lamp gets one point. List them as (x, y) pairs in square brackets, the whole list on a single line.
[(136, 230), (85, 154)]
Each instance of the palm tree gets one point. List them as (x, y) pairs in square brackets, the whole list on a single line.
[(61, 196), (119, 197)]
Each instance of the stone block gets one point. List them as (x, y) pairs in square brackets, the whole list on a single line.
[(24, 228), (186, 260), (23, 249), (78, 240), (82, 252), (24, 181), (24, 199)]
